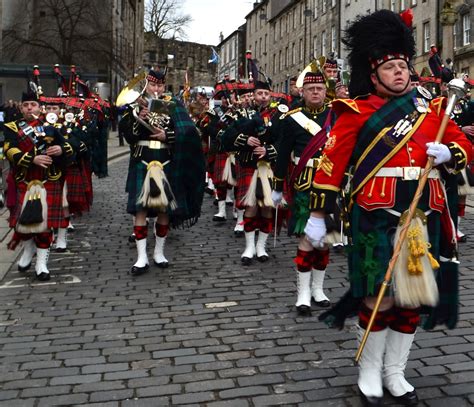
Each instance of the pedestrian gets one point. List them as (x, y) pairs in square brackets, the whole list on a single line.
[(387, 133)]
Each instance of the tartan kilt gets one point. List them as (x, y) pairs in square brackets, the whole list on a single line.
[(299, 213), (86, 174), (244, 178), (219, 165), (373, 233), (136, 177), (54, 198), (76, 190)]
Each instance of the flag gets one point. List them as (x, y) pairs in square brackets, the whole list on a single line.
[(214, 59)]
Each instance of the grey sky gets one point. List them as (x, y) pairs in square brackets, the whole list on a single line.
[(210, 17)]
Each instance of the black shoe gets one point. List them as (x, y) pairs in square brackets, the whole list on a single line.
[(370, 401), (238, 233), (162, 265), (60, 249), (322, 304), (216, 218), (209, 191), (70, 229), (136, 271), (43, 276), (22, 269), (246, 261), (408, 399), (462, 239), (303, 311), (262, 259), (229, 203), (216, 202), (132, 238)]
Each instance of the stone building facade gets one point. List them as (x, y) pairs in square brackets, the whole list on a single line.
[(284, 35), (179, 57), (231, 52), (106, 45)]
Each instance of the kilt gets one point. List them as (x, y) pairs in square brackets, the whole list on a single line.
[(136, 177), (244, 178), (54, 198), (299, 213), (373, 233), (86, 174), (219, 165), (76, 189)]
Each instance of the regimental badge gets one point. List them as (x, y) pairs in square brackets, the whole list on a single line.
[(421, 105), (424, 92), (283, 108), (331, 142)]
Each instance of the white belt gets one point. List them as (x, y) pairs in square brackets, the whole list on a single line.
[(407, 173), (153, 144), (312, 162)]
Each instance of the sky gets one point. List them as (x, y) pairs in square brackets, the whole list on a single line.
[(210, 17)]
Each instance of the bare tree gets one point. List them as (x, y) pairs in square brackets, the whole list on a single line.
[(165, 19), (68, 31)]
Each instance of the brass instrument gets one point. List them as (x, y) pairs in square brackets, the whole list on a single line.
[(158, 106)]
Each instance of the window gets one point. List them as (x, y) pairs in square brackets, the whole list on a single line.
[(333, 38), (466, 29), (323, 43), (402, 5), (280, 62), (426, 36), (315, 46), (316, 8), (293, 16), (323, 10), (301, 49), (333, 3), (413, 2), (265, 44), (392, 5), (293, 54), (260, 47), (274, 63)]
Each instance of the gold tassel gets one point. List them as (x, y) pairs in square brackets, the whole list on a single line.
[(414, 279)]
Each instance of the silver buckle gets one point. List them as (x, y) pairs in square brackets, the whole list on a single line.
[(411, 173)]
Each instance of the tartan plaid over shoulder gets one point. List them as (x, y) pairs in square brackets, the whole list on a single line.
[(187, 169)]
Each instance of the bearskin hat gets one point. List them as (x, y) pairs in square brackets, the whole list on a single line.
[(372, 40)]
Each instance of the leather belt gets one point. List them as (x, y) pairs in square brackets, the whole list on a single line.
[(153, 144), (312, 162), (406, 173)]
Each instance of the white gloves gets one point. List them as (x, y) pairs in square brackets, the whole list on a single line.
[(277, 196), (315, 231), (439, 151)]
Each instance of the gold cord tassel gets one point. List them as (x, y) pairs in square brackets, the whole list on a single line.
[(414, 279)]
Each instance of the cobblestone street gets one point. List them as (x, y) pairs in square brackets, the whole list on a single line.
[(205, 331)]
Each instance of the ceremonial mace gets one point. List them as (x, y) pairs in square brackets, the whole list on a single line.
[(456, 89)]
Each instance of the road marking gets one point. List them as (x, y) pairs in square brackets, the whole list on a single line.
[(220, 304), (11, 284)]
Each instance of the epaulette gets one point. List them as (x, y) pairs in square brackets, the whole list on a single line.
[(289, 113), (340, 105), (12, 126), (438, 103)]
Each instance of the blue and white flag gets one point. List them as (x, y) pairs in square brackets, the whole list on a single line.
[(214, 59)]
